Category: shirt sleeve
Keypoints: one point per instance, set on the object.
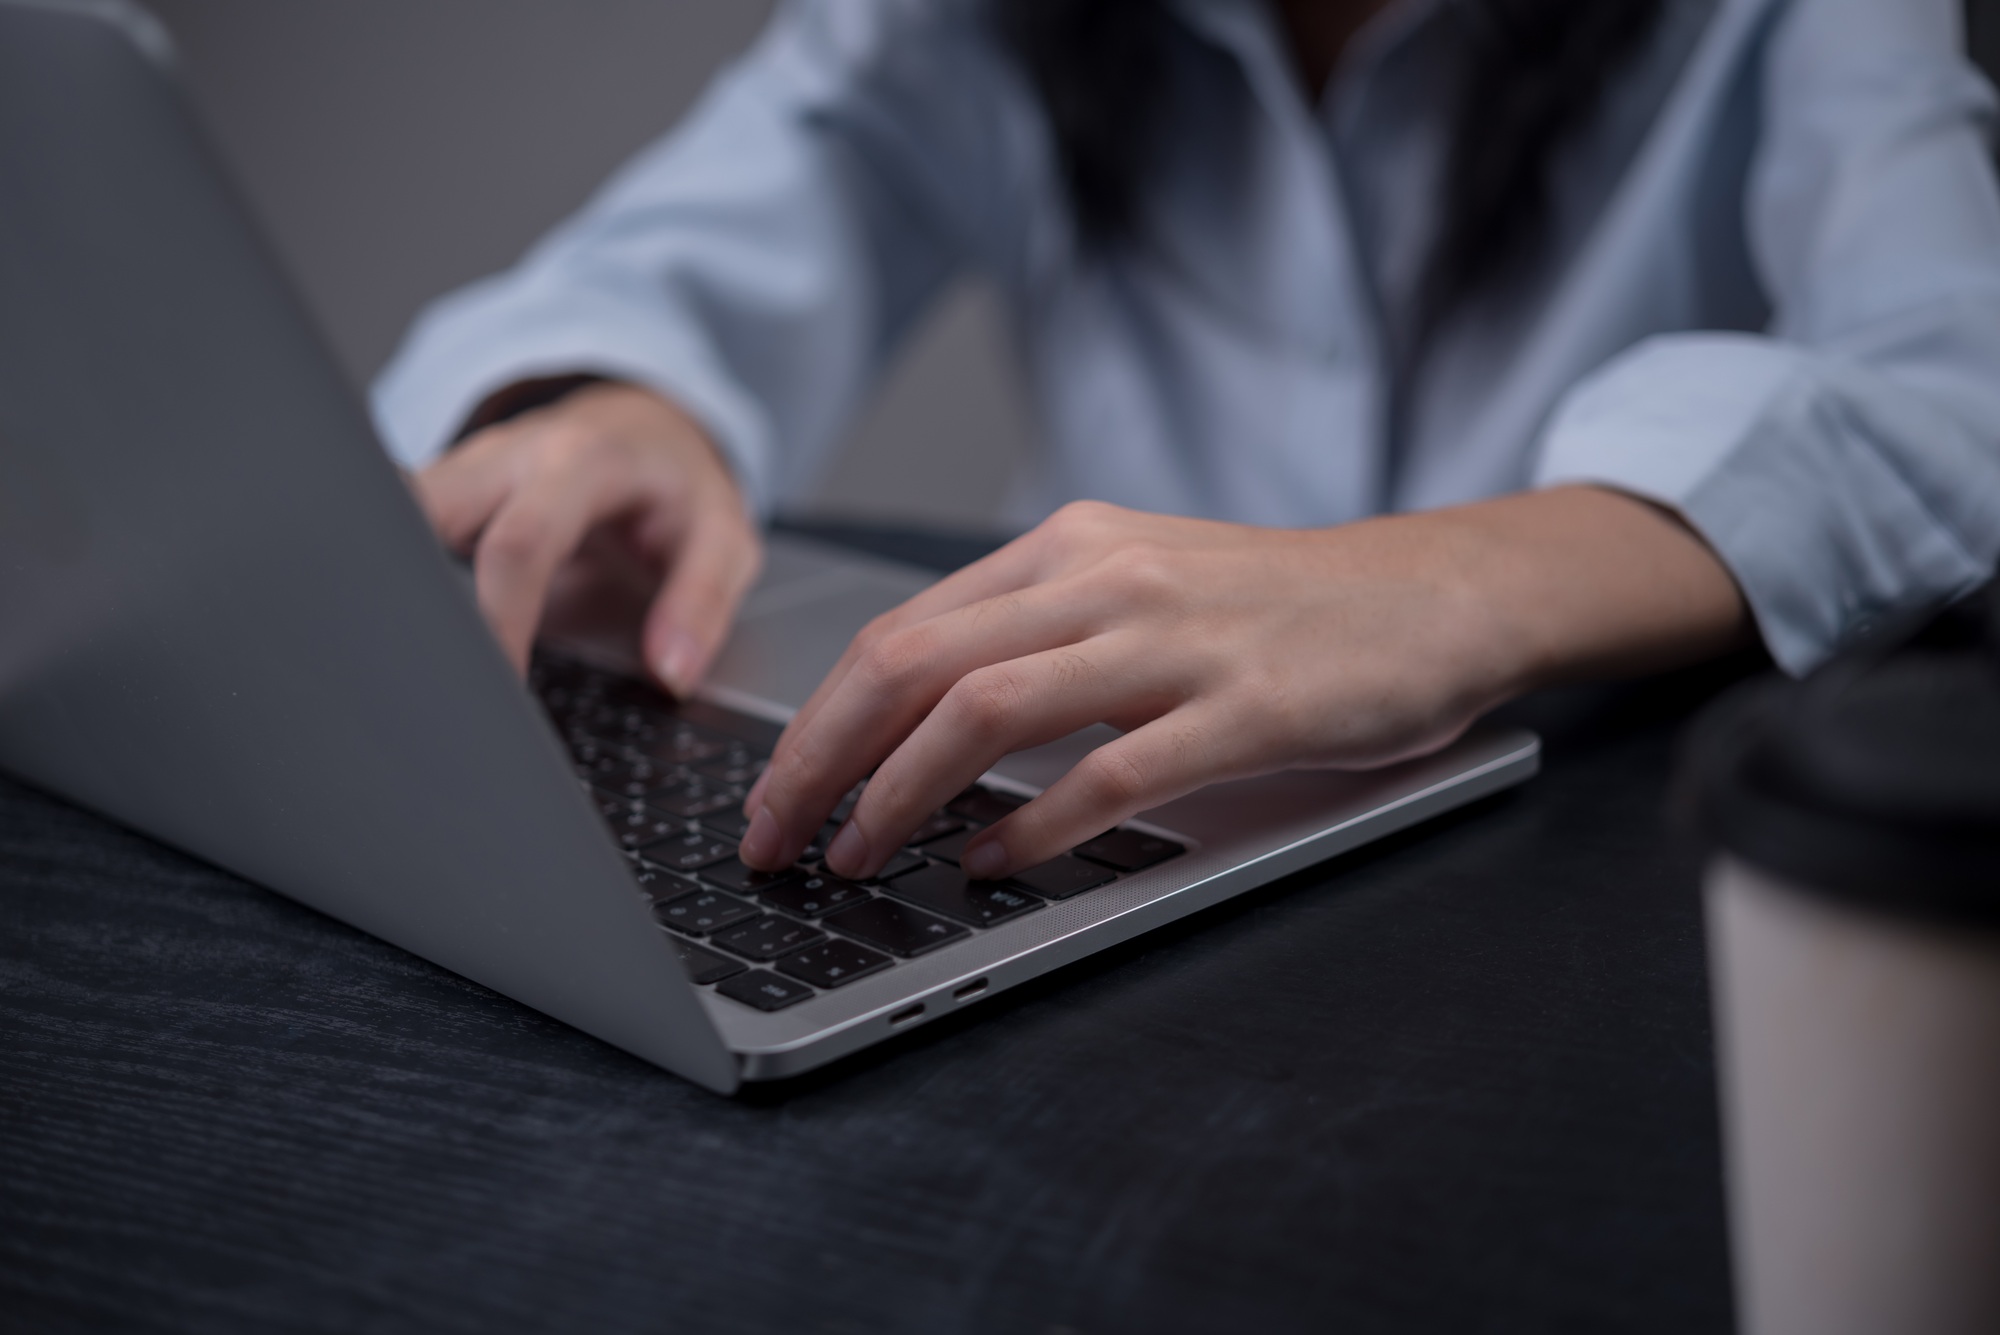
(1844, 464)
(758, 264)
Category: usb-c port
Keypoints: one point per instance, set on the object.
(972, 989)
(905, 1015)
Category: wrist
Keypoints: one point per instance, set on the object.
(1582, 582)
(522, 396)
(1494, 641)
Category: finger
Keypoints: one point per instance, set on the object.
(1172, 756)
(753, 801)
(1013, 567)
(711, 569)
(1060, 544)
(537, 528)
(460, 492)
(989, 713)
(891, 686)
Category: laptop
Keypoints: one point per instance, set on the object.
(225, 623)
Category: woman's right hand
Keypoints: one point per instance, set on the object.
(610, 485)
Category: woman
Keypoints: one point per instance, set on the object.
(1431, 350)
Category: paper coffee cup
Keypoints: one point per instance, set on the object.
(1854, 945)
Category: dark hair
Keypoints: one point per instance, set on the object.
(1537, 70)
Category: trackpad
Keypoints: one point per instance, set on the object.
(797, 621)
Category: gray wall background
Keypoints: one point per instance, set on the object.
(397, 148)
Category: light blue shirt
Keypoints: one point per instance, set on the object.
(1770, 298)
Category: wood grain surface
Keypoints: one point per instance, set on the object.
(1460, 1081)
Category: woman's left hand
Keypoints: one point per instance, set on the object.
(1220, 651)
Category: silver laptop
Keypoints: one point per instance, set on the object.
(224, 622)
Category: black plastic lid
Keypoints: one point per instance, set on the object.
(1876, 780)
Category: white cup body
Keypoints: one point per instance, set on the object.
(1859, 1059)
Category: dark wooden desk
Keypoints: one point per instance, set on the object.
(1460, 1081)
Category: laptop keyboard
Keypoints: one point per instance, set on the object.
(669, 779)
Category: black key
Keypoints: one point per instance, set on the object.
(638, 826)
(615, 723)
(952, 847)
(694, 799)
(1128, 850)
(816, 850)
(588, 748)
(937, 827)
(984, 804)
(634, 777)
(703, 966)
(733, 875)
(764, 990)
(659, 882)
(833, 963)
(764, 939)
(689, 851)
(898, 864)
(596, 764)
(894, 927)
(614, 772)
(845, 807)
(624, 790)
(632, 693)
(734, 768)
(642, 768)
(684, 744)
(949, 891)
(554, 688)
(730, 822)
(813, 896)
(1059, 878)
(702, 912)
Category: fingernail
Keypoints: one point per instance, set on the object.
(680, 665)
(760, 841)
(848, 850)
(984, 862)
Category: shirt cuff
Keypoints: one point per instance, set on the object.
(1787, 464)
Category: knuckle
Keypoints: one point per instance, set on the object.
(897, 661)
(1080, 514)
(565, 458)
(550, 448)
(888, 795)
(878, 629)
(1115, 779)
(1078, 526)
(796, 773)
(1143, 571)
(987, 702)
(1192, 744)
(516, 539)
(569, 440)
(1074, 670)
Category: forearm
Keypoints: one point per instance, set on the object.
(1222, 651)
(1578, 582)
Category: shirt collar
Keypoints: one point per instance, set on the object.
(1249, 31)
